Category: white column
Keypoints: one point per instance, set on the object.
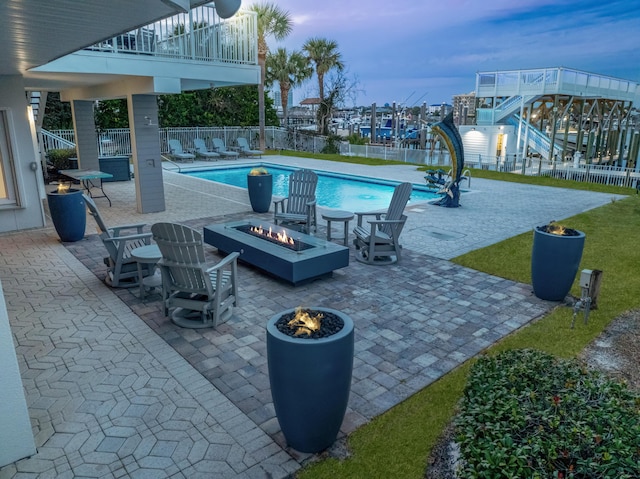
(145, 149)
(84, 126)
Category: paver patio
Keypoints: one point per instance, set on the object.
(114, 389)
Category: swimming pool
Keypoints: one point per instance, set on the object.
(345, 192)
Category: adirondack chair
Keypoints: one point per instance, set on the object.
(245, 149)
(201, 150)
(221, 149)
(299, 207)
(119, 242)
(196, 295)
(378, 243)
(177, 153)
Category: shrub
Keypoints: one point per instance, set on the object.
(356, 139)
(59, 158)
(331, 147)
(527, 414)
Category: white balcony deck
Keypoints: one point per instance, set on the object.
(188, 51)
(553, 81)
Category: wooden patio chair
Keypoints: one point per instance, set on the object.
(299, 207)
(196, 295)
(203, 151)
(177, 153)
(120, 241)
(379, 242)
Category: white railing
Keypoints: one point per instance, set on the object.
(55, 141)
(116, 142)
(198, 35)
(553, 81)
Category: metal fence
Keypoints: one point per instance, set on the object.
(117, 142)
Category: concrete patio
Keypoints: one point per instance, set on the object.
(115, 389)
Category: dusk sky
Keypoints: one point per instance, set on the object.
(411, 51)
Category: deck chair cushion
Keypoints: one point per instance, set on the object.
(221, 148)
(175, 147)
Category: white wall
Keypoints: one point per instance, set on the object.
(482, 141)
(30, 183)
(16, 438)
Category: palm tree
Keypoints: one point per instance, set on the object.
(325, 55)
(289, 70)
(272, 20)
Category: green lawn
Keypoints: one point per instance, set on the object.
(397, 443)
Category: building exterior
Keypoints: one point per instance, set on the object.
(91, 51)
(554, 113)
(464, 109)
(441, 109)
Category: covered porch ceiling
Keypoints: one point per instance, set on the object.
(33, 32)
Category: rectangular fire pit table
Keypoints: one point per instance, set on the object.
(314, 257)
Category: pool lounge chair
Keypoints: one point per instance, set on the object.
(379, 243)
(177, 153)
(246, 150)
(201, 150)
(299, 208)
(221, 149)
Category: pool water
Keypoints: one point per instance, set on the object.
(344, 192)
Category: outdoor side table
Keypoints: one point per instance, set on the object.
(87, 178)
(147, 255)
(338, 215)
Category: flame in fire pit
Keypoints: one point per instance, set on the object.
(305, 322)
(281, 236)
(556, 229)
(62, 188)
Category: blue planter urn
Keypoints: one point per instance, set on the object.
(310, 382)
(260, 190)
(555, 260)
(68, 213)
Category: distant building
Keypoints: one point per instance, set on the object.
(305, 113)
(441, 109)
(276, 96)
(464, 109)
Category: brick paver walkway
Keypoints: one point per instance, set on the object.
(114, 389)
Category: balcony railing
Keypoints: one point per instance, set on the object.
(199, 35)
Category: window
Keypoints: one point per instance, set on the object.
(8, 190)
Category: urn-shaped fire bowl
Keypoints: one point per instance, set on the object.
(555, 259)
(310, 374)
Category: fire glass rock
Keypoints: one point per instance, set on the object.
(330, 324)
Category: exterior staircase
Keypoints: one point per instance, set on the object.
(37, 101)
(511, 106)
(536, 140)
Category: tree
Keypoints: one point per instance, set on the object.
(339, 90)
(111, 114)
(271, 21)
(229, 106)
(289, 70)
(324, 54)
(57, 114)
